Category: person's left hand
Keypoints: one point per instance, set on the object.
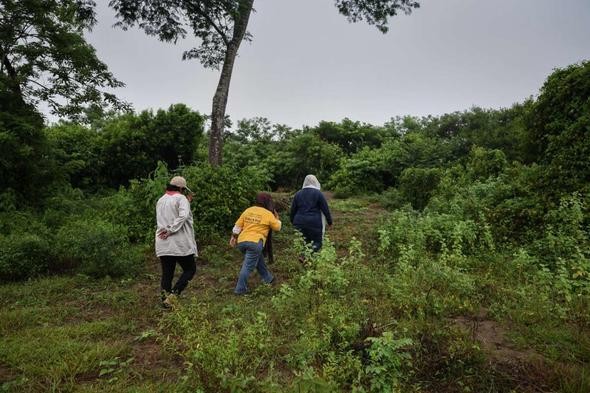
(233, 241)
(163, 235)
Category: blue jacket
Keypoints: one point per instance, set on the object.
(307, 208)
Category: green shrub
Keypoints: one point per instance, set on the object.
(416, 185)
(386, 362)
(24, 255)
(484, 163)
(431, 233)
(565, 237)
(221, 194)
(97, 248)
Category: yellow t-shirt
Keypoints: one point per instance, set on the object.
(255, 222)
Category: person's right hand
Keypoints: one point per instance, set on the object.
(233, 241)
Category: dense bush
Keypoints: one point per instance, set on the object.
(97, 248)
(565, 243)
(416, 185)
(26, 244)
(77, 149)
(375, 170)
(317, 328)
(24, 255)
(221, 194)
(300, 155)
(115, 150)
(559, 128)
(350, 136)
(27, 167)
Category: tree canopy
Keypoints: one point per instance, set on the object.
(46, 59)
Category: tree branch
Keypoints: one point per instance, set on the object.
(15, 86)
(213, 24)
(38, 84)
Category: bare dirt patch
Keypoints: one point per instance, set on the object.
(492, 338)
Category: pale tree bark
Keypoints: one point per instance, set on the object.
(220, 97)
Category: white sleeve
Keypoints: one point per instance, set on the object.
(184, 209)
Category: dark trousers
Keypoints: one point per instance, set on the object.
(312, 236)
(189, 268)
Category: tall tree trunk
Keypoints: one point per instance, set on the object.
(220, 97)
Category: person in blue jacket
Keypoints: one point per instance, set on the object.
(310, 212)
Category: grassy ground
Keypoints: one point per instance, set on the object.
(71, 333)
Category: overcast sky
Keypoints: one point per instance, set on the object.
(307, 63)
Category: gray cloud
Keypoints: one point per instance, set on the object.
(307, 63)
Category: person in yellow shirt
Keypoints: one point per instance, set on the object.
(250, 234)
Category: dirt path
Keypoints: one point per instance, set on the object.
(359, 221)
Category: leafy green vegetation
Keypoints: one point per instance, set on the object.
(459, 260)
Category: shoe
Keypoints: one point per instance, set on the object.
(171, 301)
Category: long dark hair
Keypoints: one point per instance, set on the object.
(170, 187)
(264, 199)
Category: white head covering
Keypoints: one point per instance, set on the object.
(311, 182)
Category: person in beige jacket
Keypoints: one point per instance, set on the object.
(175, 239)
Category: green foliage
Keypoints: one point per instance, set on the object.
(559, 128)
(121, 148)
(24, 255)
(501, 129)
(301, 155)
(221, 194)
(431, 233)
(483, 163)
(366, 171)
(510, 203)
(375, 170)
(350, 135)
(133, 144)
(46, 58)
(225, 355)
(27, 246)
(97, 248)
(27, 170)
(565, 237)
(386, 362)
(77, 150)
(416, 185)
(377, 13)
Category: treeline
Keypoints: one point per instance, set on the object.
(519, 163)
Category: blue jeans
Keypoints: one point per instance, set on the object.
(252, 259)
